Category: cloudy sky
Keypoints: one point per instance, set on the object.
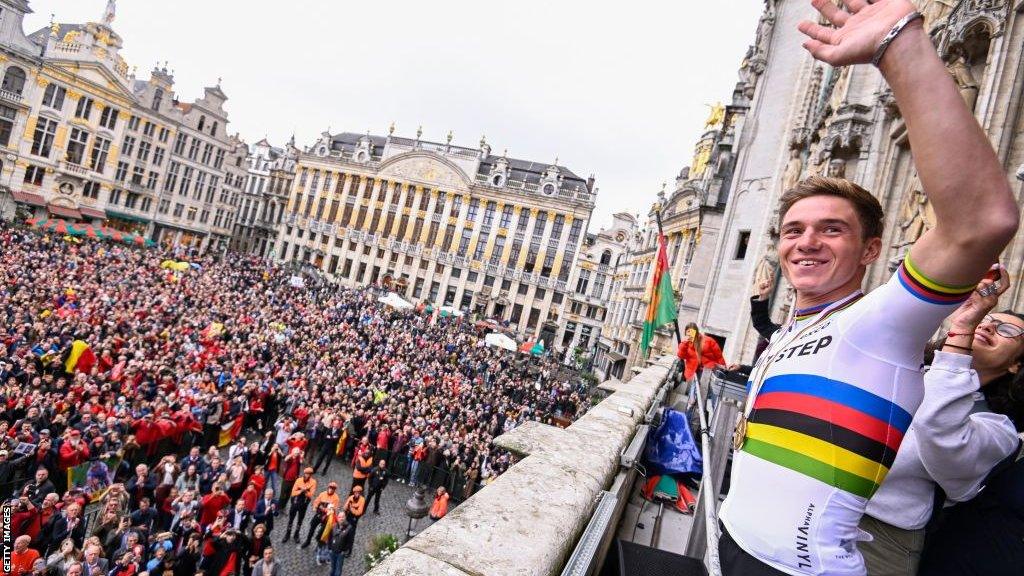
(618, 89)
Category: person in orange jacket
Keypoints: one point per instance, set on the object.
(699, 351)
(440, 506)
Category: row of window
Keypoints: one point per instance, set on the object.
(209, 151)
(221, 218)
(186, 179)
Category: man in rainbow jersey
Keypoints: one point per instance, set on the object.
(832, 397)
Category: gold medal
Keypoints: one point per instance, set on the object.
(739, 436)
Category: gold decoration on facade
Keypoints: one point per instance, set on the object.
(717, 116)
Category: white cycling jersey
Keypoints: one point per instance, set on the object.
(834, 402)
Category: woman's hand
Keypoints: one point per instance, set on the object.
(858, 30)
(971, 313)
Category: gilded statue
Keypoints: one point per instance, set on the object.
(916, 214)
(717, 116)
(960, 69)
(934, 10)
(791, 176)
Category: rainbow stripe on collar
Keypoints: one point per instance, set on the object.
(807, 313)
(929, 290)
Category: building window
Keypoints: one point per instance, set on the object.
(193, 149)
(524, 218)
(741, 245)
(606, 257)
(179, 209)
(148, 129)
(34, 175)
(151, 181)
(582, 282)
(191, 214)
(556, 229)
(77, 144)
(42, 138)
(164, 134)
(179, 143)
(91, 190)
(499, 247)
(172, 176)
(7, 117)
(474, 206)
(464, 241)
(207, 153)
(574, 232)
(158, 98)
(115, 196)
(146, 203)
(158, 156)
(53, 97)
(108, 118)
(138, 174)
(219, 161)
(84, 108)
(122, 171)
(131, 200)
(144, 148)
(506, 216)
(14, 80)
(540, 224)
(133, 123)
(163, 206)
(128, 146)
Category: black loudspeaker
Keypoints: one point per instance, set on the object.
(629, 559)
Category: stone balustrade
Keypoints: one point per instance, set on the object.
(527, 522)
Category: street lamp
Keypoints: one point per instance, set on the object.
(416, 507)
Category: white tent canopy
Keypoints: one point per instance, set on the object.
(499, 340)
(395, 301)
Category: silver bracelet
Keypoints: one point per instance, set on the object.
(896, 29)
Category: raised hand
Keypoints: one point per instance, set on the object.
(858, 30)
(971, 313)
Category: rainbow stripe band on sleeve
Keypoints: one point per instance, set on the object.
(929, 290)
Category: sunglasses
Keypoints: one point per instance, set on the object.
(1004, 329)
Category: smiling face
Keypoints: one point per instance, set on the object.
(822, 249)
(996, 354)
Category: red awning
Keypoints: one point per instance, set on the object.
(92, 212)
(64, 212)
(29, 198)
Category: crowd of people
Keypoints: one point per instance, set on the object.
(191, 408)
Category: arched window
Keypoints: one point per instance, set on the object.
(202, 122)
(213, 130)
(14, 80)
(158, 97)
(606, 257)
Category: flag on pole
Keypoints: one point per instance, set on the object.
(661, 304)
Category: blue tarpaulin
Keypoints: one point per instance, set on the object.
(671, 448)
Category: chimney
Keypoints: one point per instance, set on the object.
(590, 183)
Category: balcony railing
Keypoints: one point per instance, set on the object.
(73, 168)
(12, 96)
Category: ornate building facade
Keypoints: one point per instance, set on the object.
(86, 140)
(440, 223)
(594, 284)
(261, 206)
(808, 118)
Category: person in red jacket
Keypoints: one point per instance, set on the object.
(73, 451)
(699, 351)
(212, 504)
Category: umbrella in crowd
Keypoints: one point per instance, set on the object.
(395, 301)
(60, 226)
(499, 340)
